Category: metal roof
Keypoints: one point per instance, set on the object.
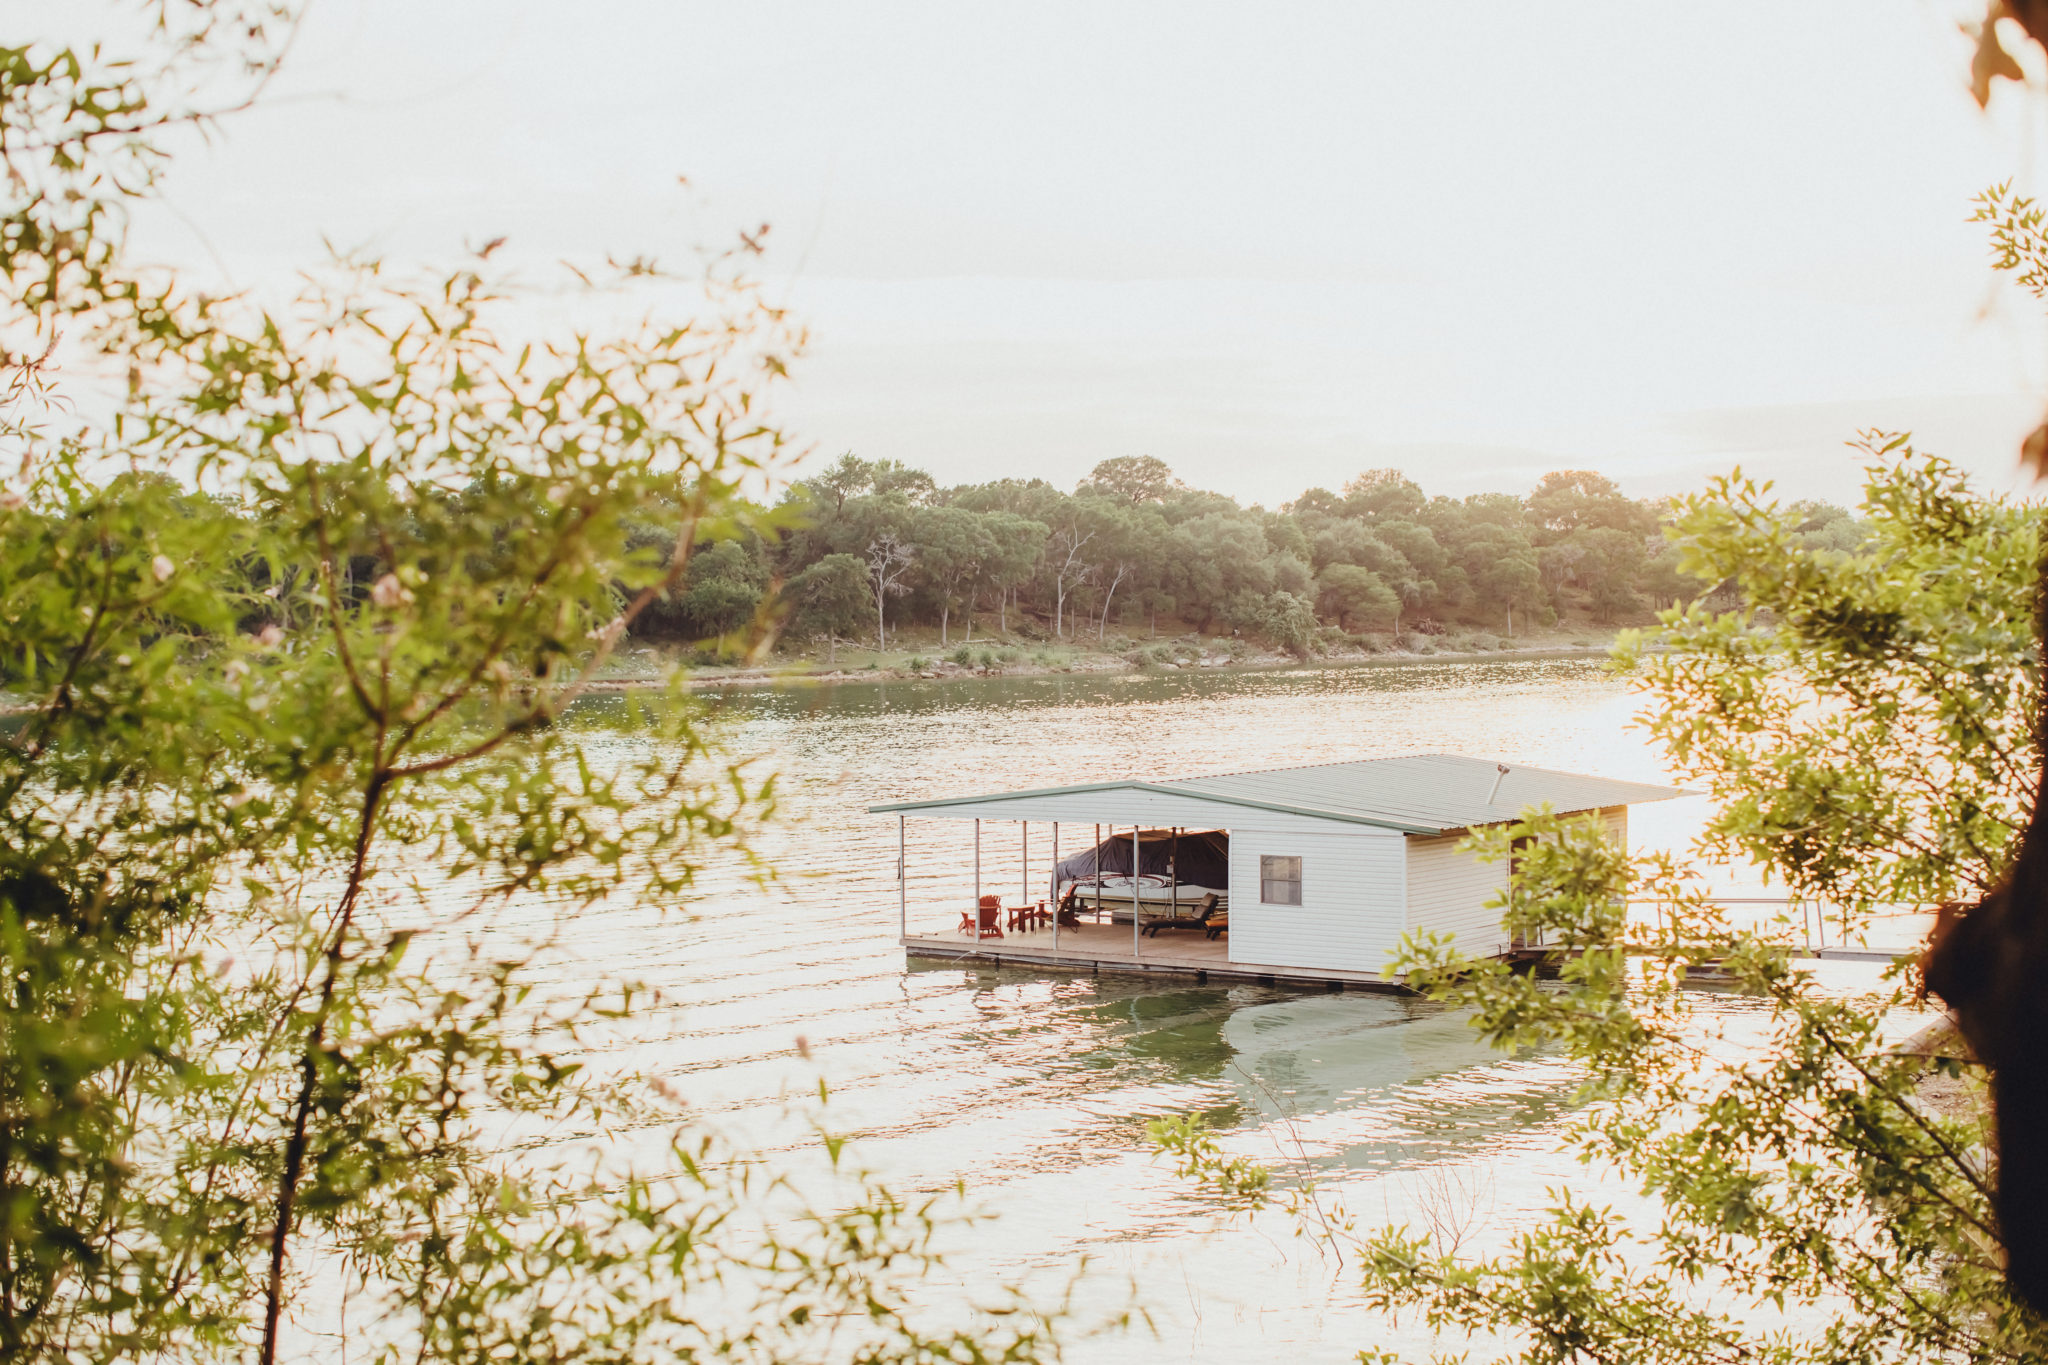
(1417, 794)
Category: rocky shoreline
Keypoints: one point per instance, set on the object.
(803, 673)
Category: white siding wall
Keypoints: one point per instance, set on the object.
(1350, 915)
(1448, 892)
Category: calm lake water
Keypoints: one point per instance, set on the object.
(1035, 1087)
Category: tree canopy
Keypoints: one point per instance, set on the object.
(297, 806)
(1133, 539)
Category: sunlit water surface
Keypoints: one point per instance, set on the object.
(1035, 1087)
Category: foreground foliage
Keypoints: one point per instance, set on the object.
(294, 807)
(1865, 731)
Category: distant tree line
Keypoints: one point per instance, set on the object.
(868, 546)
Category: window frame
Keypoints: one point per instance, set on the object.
(1297, 881)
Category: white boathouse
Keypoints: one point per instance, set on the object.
(1322, 868)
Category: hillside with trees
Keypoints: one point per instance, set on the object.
(865, 549)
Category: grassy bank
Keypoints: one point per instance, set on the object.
(912, 656)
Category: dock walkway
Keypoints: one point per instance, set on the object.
(1108, 948)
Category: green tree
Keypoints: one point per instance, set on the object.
(1286, 536)
(1315, 502)
(1383, 495)
(1289, 622)
(1034, 498)
(1494, 509)
(724, 589)
(1347, 593)
(1019, 547)
(1865, 727)
(953, 547)
(1610, 570)
(1351, 542)
(847, 477)
(1826, 526)
(1425, 558)
(1290, 574)
(1665, 583)
(1570, 500)
(296, 809)
(1510, 581)
(1127, 540)
(829, 598)
(1557, 563)
(1494, 552)
(1216, 560)
(895, 477)
(1132, 479)
(853, 477)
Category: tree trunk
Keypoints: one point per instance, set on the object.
(1102, 629)
(945, 618)
(881, 628)
(1003, 610)
(970, 618)
(1511, 620)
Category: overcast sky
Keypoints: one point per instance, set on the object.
(1269, 244)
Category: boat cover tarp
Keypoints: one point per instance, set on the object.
(1198, 859)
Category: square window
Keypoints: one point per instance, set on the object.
(1279, 881)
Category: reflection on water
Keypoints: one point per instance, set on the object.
(1035, 1087)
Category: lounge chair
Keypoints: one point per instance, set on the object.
(988, 917)
(1201, 921)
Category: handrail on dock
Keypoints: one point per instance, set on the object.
(1816, 928)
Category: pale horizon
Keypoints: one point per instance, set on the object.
(1269, 252)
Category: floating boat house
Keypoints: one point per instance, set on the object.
(1309, 874)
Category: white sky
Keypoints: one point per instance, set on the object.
(1271, 245)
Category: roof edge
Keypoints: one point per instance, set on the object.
(1162, 789)
(1127, 784)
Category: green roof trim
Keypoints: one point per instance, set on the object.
(904, 807)
(1413, 794)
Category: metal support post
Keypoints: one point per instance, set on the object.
(1053, 884)
(1052, 878)
(1098, 873)
(1137, 886)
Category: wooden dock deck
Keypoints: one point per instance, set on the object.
(1108, 948)
(1099, 948)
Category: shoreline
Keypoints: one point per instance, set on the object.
(805, 674)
